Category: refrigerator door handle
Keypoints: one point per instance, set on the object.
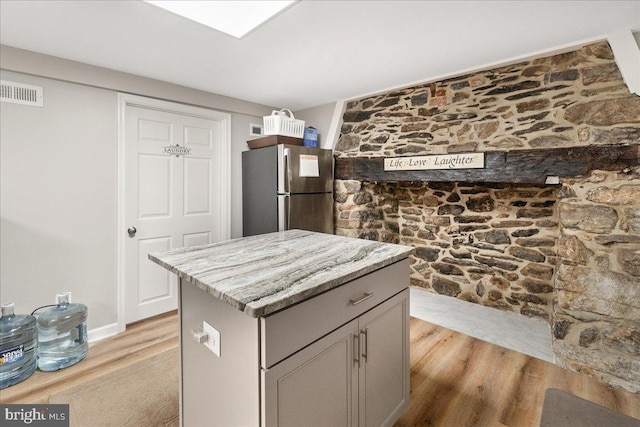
(287, 170)
(284, 214)
(287, 207)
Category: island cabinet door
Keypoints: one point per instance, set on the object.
(384, 362)
(358, 375)
(316, 386)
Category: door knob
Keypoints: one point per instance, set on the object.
(132, 231)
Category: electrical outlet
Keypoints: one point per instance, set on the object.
(213, 338)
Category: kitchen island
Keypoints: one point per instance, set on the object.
(293, 328)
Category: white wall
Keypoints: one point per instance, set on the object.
(58, 198)
(626, 52)
(58, 187)
(320, 118)
(240, 135)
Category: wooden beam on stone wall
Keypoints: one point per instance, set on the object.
(518, 166)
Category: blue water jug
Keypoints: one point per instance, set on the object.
(62, 335)
(18, 344)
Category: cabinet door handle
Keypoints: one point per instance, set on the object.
(363, 299)
(365, 344)
(356, 349)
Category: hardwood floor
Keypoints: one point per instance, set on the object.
(127, 380)
(456, 381)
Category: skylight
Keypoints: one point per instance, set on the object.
(236, 18)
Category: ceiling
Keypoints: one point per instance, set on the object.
(316, 51)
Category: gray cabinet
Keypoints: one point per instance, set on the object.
(340, 358)
(384, 362)
(357, 375)
(317, 386)
(217, 391)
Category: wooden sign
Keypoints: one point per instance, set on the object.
(440, 161)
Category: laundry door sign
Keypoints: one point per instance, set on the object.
(176, 150)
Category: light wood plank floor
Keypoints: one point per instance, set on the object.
(456, 381)
(127, 380)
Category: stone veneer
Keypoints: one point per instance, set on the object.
(489, 245)
(573, 99)
(515, 247)
(596, 322)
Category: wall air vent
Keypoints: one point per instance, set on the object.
(19, 93)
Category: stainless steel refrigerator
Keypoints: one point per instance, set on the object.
(286, 187)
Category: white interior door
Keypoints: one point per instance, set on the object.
(175, 194)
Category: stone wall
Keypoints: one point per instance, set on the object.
(489, 245)
(596, 322)
(514, 247)
(573, 99)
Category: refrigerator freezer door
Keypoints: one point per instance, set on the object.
(313, 212)
(304, 170)
(259, 202)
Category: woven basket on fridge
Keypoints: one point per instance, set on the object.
(279, 123)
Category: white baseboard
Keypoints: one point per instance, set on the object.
(102, 332)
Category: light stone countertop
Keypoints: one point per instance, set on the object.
(262, 274)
